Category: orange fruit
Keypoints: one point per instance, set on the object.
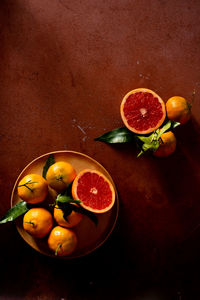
(142, 111)
(33, 188)
(73, 218)
(62, 241)
(178, 109)
(38, 222)
(94, 190)
(167, 145)
(59, 175)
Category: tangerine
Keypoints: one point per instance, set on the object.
(33, 188)
(38, 222)
(178, 109)
(59, 175)
(167, 145)
(73, 218)
(62, 241)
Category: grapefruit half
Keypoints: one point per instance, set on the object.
(94, 190)
(142, 111)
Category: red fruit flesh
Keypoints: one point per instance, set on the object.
(94, 191)
(142, 111)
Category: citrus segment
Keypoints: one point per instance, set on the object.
(94, 190)
(142, 111)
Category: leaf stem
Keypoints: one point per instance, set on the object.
(60, 178)
(57, 249)
(32, 223)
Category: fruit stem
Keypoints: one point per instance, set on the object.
(32, 223)
(26, 185)
(58, 247)
(60, 178)
(161, 141)
(153, 137)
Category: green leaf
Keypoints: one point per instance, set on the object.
(166, 127)
(151, 142)
(145, 143)
(66, 199)
(88, 213)
(68, 191)
(67, 208)
(170, 125)
(50, 161)
(174, 124)
(146, 139)
(119, 135)
(16, 211)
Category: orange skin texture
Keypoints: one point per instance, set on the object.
(33, 188)
(62, 240)
(178, 109)
(75, 196)
(124, 118)
(38, 222)
(72, 220)
(168, 145)
(59, 175)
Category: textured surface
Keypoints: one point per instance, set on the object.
(64, 69)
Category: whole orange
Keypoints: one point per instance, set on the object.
(73, 218)
(178, 109)
(38, 222)
(33, 188)
(167, 145)
(59, 175)
(62, 241)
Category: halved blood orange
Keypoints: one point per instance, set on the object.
(94, 190)
(142, 111)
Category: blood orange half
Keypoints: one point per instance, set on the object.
(94, 190)
(142, 111)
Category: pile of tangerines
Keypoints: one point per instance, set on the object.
(143, 111)
(90, 189)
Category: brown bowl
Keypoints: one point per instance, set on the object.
(89, 235)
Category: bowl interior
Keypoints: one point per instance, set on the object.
(89, 235)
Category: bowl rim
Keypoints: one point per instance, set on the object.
(116, 204)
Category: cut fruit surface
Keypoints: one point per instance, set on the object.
(94, 190)
(142, 111)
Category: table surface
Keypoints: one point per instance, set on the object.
(65, 67)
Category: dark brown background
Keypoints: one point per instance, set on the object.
(64, 68)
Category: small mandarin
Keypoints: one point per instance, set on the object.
(33, 188)
(59, 175)
(73, 219)
(62, 241)
(38, 222)
(178, 109)
(167, 146)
